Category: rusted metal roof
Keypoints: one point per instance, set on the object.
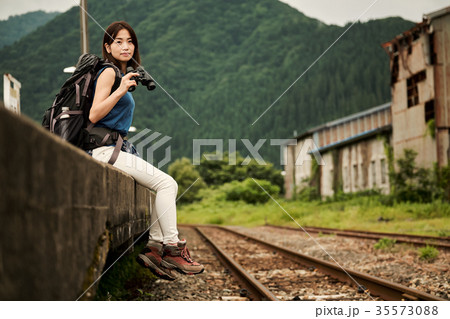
(345, 119)
(408, 34)
(418, 28)
(436, 14)
(354, 138)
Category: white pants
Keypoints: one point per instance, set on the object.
(163, 220)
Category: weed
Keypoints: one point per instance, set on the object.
(428, 253)
(143, 295)
(385, 244)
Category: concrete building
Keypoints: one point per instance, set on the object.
(354, 148)
(420, 84)
(353, 153)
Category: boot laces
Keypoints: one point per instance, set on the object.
(186, 255)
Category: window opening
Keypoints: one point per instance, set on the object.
(412, 90)
(383, 170)
(429, 110)
(374, 174)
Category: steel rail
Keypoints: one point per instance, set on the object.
(439, 242)
(376, 286)
(257, 290)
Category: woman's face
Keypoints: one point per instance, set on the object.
(122, 49)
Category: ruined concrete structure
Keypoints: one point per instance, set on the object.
(354, 148)
(353, 153)
(420, 79)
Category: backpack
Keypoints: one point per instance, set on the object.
(68, 117)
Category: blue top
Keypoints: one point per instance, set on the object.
(121, 115)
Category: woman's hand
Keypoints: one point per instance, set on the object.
(126, 83)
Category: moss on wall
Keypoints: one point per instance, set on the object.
(126, 279)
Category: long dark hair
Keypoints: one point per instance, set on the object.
(110, 36)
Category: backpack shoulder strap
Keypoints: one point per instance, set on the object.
(100, 71)
(106, 64)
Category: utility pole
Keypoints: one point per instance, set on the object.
(84, 27)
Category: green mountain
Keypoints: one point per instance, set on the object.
(17, 26)
(224, 62)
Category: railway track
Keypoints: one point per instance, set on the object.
(271, 272)
(417, 240)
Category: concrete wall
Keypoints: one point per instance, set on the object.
(364, 166)
(61, 212)
(298, 166)
(303, 163)
(327, 175)
(357, 166)
(353, 141)
(409, 128)
(441, 27)
(360, 166)
(289, 171)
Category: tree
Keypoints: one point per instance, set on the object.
(188, 179)
(220, 171)
(250, 191)
(412, 183)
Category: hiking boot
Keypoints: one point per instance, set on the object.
(150, 257)
(177, 257)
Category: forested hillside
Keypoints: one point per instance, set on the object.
(17, 26)
(225, 62)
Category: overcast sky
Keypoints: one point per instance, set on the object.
(329, 11)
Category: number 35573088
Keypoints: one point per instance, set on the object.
(407, 310)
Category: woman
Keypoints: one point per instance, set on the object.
(114, 110)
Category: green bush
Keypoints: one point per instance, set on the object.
(414, 184)
(185, 174)
(249, 191)
(220, 171)
(443, 181)
(308, 193)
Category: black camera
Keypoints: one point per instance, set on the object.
(143, 77)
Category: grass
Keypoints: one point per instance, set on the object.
(385, 244)
(428, 253)
(362, 213)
